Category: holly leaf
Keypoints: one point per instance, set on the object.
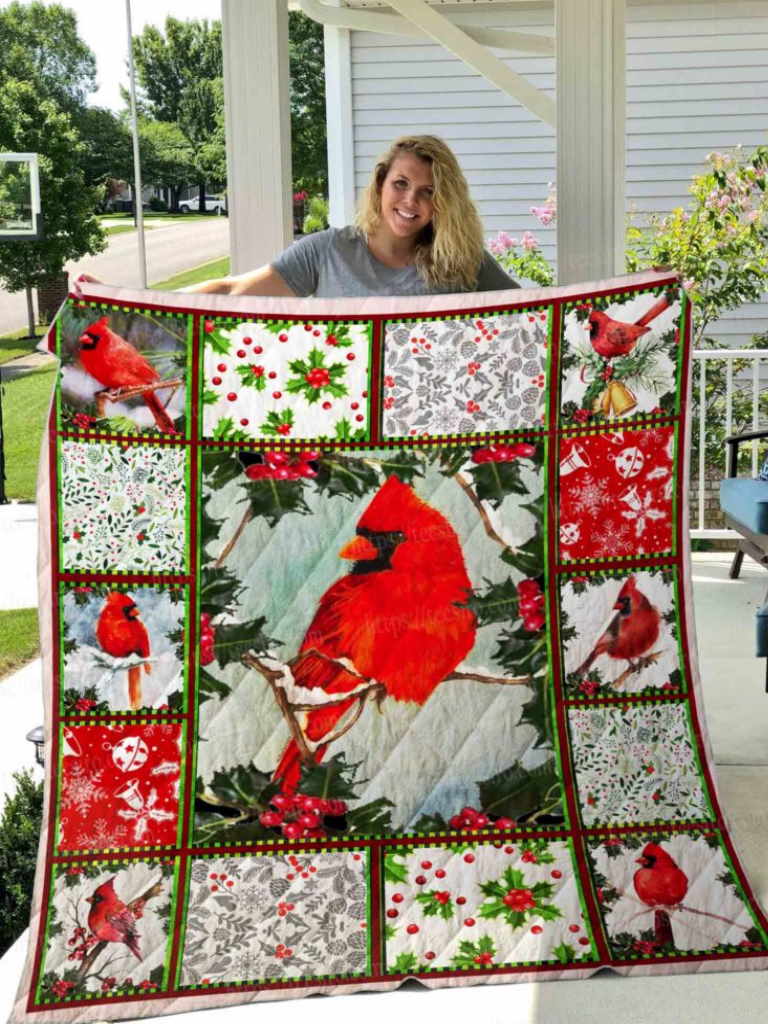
(430, 823)
(332, 778)
(346, 476)
(493, 481)
(371, 818)
(564, 953)
(535, 712)
(208, 686)
(451, 460)
(404, 963)
(344, 431)
(431, 906)
(218, 590)
(405, 466)
(496, 603)
(395, 870)
(233, 640)
(118, 425)
(216, 340)
(250, 377)
(273, 499)
(209, 396)
(242, 787)
(225, 430)
(219, 468)
(517, 792)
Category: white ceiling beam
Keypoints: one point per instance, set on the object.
(338, 118)
(455, 40)
(387, 23)
(258, 130)
(591, 104)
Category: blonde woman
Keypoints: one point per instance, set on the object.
(417, 232)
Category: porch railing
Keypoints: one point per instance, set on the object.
(748, 378)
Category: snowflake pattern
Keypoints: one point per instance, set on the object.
(465, 375)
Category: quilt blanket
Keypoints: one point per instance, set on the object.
(369, 651)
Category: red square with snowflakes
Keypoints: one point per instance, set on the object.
(119, 785)
(616, 493)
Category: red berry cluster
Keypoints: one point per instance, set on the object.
(207, 639)
(319, 377)
(300, 816)
(279, 465)
(582, 415)
(84, 704)
(83, 420)
(531, 605)
(61, 988)
(82, 943)
(589, 687)
(504, 452)
(472, 820)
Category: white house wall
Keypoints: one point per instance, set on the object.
(697, 80)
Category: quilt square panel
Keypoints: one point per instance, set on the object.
(474, 907)
(123, 508)
(616, 493)
(410, 579)
(123, 371)
(120, 785)
(621, 357)
(108, 930)
(283, 379)
(672, 893)
(465, 375)
(312, 911)
(619, 632)
(636, 763)
(122, 647)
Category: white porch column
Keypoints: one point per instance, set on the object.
(590, 47)
(258, 128)
(338, 107)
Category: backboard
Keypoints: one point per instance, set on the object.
(19, 197)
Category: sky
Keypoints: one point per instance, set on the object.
(102, 26)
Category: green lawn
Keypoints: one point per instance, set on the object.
(18, 638)
(16, 344)
(25, 406)
(216, 268)
(150, 215)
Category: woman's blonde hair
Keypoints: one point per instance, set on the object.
(449, 250)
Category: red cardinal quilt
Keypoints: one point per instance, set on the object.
(369, 653)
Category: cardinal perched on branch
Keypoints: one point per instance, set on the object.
(116, 364)
(111, 920)
(632, 631)
(121, 634)
(396, 616)
(660, 884)
(612, 338)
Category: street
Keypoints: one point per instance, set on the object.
(170, 250)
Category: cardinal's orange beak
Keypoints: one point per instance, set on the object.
(359, 550)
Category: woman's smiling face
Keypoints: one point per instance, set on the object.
(407, 196)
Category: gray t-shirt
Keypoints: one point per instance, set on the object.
(337, 263)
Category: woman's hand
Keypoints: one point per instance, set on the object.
(83, 277)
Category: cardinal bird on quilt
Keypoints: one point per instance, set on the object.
(121, 634)
(397, 615)
(632, 631)
(116, 364)
(110, 920)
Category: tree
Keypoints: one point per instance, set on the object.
(178, 72)
(308, 132)
(39, 44)
(107, 146)
(166, 157)
(31, 124)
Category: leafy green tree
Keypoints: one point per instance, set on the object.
(20, 825)
(178, 70)
(107, 146)
(39, 44)
(308, 134)
(167, 157)
(31, 124)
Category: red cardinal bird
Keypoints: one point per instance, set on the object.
(110, 920)
(659, 882)
(120, 633)
(396, 615)
(115, 363)
(611, 338)
(632, 631)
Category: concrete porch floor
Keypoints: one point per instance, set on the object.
(736, 717)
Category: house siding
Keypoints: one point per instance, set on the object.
(697, 80)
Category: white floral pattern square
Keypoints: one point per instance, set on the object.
(286, 379)
(636, 764)
(465, 376)
(123, 508)
(275, 917)
(477, 906)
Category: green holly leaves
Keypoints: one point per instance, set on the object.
(314, 379)
(516, 900)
